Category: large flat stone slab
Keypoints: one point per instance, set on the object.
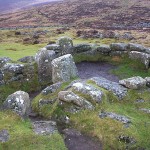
(114, 87)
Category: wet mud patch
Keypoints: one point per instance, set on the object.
(95, 69)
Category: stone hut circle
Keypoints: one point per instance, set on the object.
(54, 70)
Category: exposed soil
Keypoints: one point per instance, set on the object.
(95, 69)
(76, 141)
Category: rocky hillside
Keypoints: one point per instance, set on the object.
(112, 14)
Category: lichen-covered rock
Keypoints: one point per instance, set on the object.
(115, 116)
(70, 97)
(4, 136)
(13, 68)
(145, 110)
(4, 60)
(118, 46)
(43, 102)
(45, 127)
(1, 78)
(65, 44)
(103, 49)
(143, 57)
(136, 47)
(52, 88)
(18, 102)
(27, 59)
(134, 82)
(54, 47)
(118, 53)
(114, 87)
(63, 69)
(11, 72)
(81, 48)
(44, 58)
(86, 89)
(147, 81)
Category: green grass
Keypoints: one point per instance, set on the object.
(22, 137)
(18, 50)
(108, 130)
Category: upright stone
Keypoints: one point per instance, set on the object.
(63, 69)
(43, 59)
(65, 44)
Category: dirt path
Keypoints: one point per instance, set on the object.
(94, 69)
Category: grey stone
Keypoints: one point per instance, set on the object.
(118, 53)
(118, 46)
(114, 87)
(18, 102)
(70, 97)
(64, 69)
(143, 57)
(147, 81)
(54, 47)
(4, 60)
(44, 58)
(145, 110)
(27, 59)
(81, 48)
(103, 49)
(126, 139)
(95, 94)
(43, 102)
(65, 44)
(140, 101)
(115, 116)
(44, 127)
(13, 68)
(147, 50)
(52, 88)
(136, 47)
(134, 82)
(4, 136)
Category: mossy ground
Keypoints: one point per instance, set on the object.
(22, 136)
(108, 130)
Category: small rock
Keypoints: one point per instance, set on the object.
(127, 139)
(114, 116)
(118, 46)
(143, 57)
(27, 59)
(44, 127)
(136, 47)
(103, 49)
(4, 60)
(81, 48)
(4, 136)
(52, 88)
(70, 97)
(134, 82)
(145, 110)
(65, 44)
(147, 81)
(18, 102)
(139, 101)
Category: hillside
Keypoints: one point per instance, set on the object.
(111, 14)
